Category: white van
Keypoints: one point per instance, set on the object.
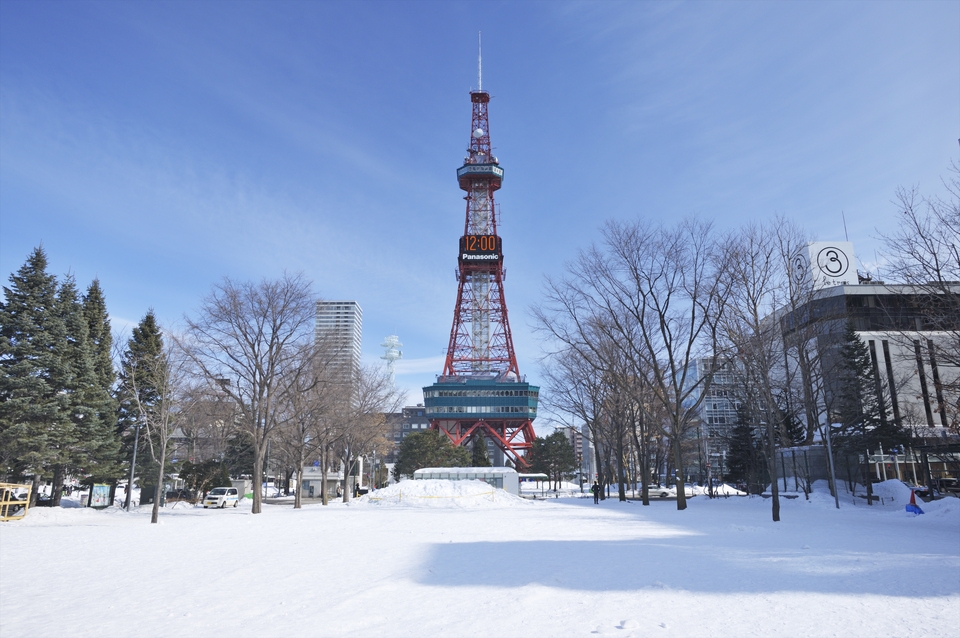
(221, 497)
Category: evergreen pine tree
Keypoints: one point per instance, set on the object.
(793, 431)
(239, 455)
(92, 442)
(554, 456)
(76, 383)
(862, 415)
(744, 460)
(137, 368)
(478, 455)
(107, 462)
(101, 346)
(33, 406)
(427, 448)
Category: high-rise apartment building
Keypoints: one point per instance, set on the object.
(340, 328)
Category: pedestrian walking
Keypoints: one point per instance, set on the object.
(596, 492)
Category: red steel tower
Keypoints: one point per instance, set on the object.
(481, 387)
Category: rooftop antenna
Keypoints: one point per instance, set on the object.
(479, 62)
(844, 218)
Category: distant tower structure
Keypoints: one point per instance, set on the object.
(393, 353)
(339, 328)
(481, 387)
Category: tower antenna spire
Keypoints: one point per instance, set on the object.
(479, 62)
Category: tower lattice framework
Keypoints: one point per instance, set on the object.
(480, 339)
(480, 388)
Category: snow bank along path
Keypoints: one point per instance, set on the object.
(437, 493)
(561, 567)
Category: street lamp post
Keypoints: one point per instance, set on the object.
(580, 470)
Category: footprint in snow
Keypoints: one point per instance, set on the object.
(624, 625)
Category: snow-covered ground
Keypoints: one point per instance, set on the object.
(487, 565)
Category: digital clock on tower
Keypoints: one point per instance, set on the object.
(480, 249)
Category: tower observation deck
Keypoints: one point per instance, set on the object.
(480, 389)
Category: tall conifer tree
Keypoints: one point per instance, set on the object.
(144, 350)
(33, 407)
(478, 455)
(107, 460)
(101, 346)
(91, 441)
(863, 415)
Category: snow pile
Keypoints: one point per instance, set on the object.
(896, 493)
(945, 508)
(441, 493)
(542, 489)
(722, 489)
(892, 490)
(68, 514)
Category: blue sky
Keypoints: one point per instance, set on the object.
(161, 146)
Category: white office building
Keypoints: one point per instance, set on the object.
(340, 328)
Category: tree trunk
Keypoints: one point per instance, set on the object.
(809, 402)
(644, 473)
(346, 476)
(621, 488)
(297, 493)
(678, 459)
(599, 467)
(772, 467)
(257, 479)
(158, 490)
(56, 490)
(133, 469)
(324, 498)
(35, 492)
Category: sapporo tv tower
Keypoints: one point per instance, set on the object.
(480, 388)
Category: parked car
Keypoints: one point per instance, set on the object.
(669, 492)
(947, 485)
(221, 497)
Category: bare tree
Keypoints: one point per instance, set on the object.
(247, 338)
(576, 391)
(925, 253)
(759, 285)
(206, 424)
(658, 293)
(664, 290)
(582, 370)
(166, 376)
(360, 416)
(306, 427)
(925, 248)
